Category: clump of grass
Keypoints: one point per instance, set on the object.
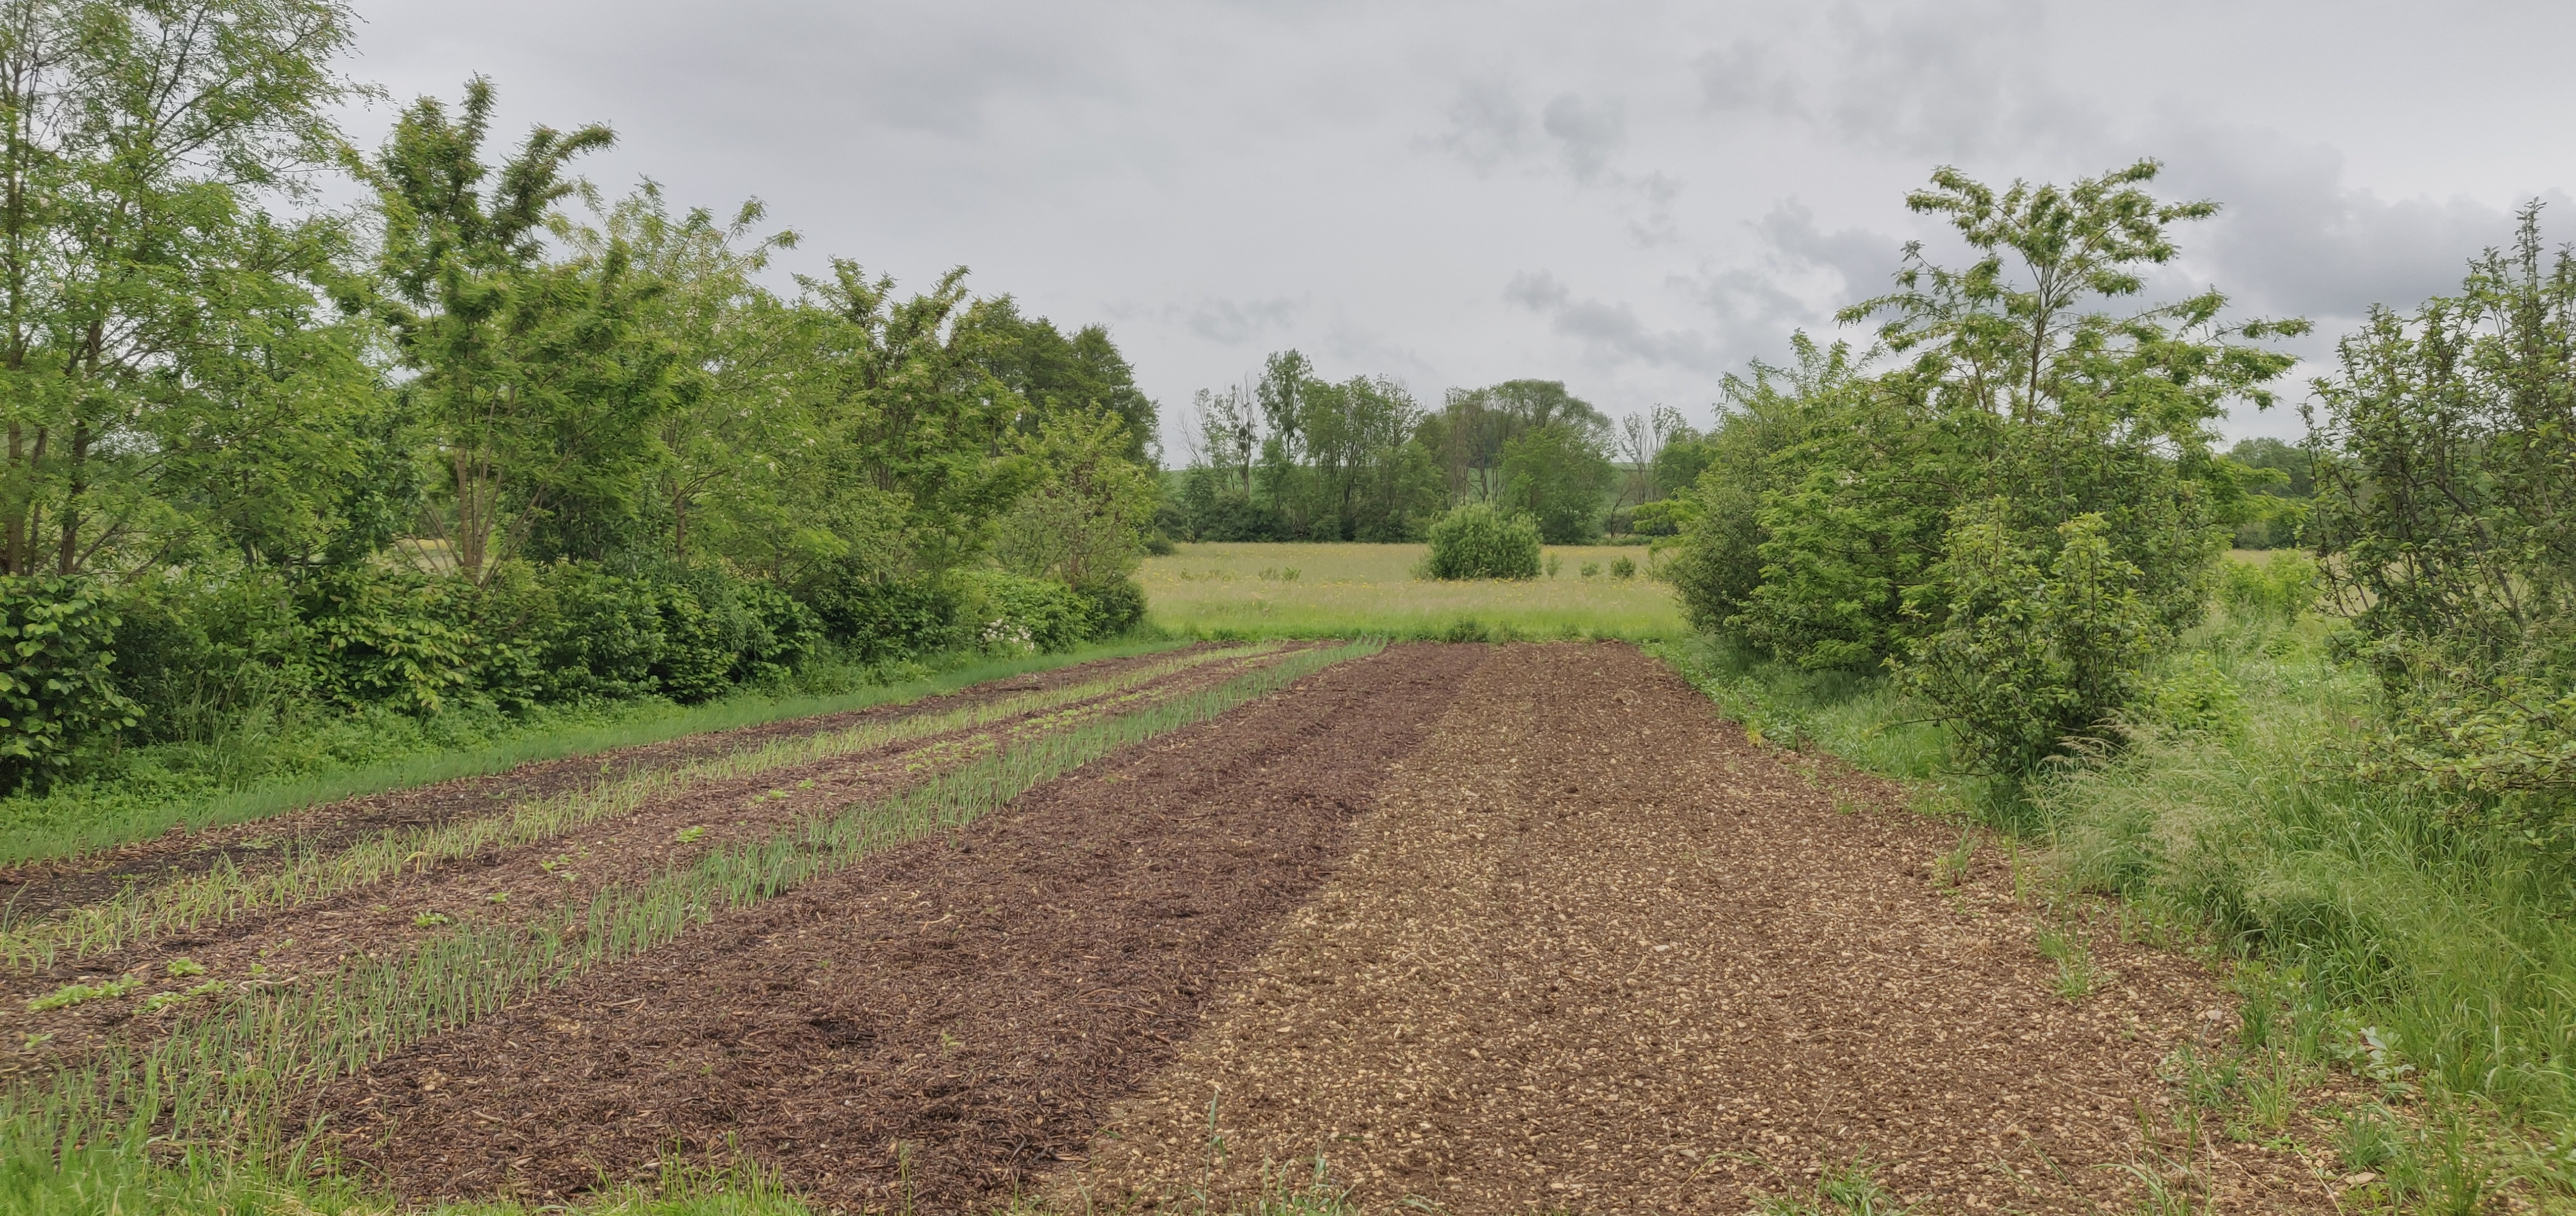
(1849, 1188)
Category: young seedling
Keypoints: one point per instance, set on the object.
(184, 967)
(431, 920)
(76, 994)
(690, 834)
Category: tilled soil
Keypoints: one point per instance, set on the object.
(37, 887)
(1595, 951)
(523, 884)
(934, 1025)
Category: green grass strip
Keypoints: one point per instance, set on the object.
(20, 845)
(224, 893)
(227, 1081)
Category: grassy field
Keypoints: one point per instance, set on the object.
(1325, 590)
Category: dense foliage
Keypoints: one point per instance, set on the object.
(1290, 456)
(2019, 500)
(2447, 510)
(1483, 540)
(493, 438)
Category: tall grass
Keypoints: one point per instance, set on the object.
(223, 1083)
(86, 818)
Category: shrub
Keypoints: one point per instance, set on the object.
(196, 652)
(1015, 613)
(2029, 660)
(1478, 540)
(879, 619)
(1623, 566)
(1117, 607)
(1664, 516)
(56, 691)
(389, 636)
(2283, 588)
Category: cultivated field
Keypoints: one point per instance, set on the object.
(1485, 928)
(1318, 590)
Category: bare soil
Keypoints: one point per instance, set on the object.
(932, 1027)
(38, 887)
(1597, 952)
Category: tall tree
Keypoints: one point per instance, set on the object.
(154, 324)
(517, 359)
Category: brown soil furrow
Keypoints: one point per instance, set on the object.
(967, 1006)
(1598, 952)
(539, 881)
(38, 887)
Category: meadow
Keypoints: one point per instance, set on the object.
(1347, 590)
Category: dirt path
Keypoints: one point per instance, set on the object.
(38, 887)
(1595, 952)
(931, 1026)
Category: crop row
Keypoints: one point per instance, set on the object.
(226, 892)
(230, 1076)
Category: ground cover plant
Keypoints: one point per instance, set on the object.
(1327, 590)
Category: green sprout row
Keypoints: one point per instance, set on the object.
(226, 892)
(232, 1078)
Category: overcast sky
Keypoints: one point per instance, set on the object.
(1631, 197)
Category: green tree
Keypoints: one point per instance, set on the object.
(2446, 510)
(529, 373)
(1557, 473)
(167, 374)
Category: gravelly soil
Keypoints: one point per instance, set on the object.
(1597, 952)
(979, 999)
(38, 887)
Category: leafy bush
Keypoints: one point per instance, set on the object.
(2282, 589)
(196, 652)
(2027, 660)
(2445, 513)
(1016, 613)
(1623, 566)
(1664, 516)
(570, 631)
(1116, 607)
(1479, 540)
(390, 636)
(57, 640)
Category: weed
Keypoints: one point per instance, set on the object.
(431, 920)
(1850, 1188)
(181, 968)
(2065, 946)
(690, 834)
(1951, 868)
(75, 994)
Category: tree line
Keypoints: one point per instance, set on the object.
(1289, 455)
(492, 435)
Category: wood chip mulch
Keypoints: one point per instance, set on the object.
(929, 1029)
(1596, 952)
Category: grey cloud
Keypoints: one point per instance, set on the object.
(1238, 321)
(1586, 132)
(2293, 237)
(1946, 81)
(1487, 125)
(1611, 333)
